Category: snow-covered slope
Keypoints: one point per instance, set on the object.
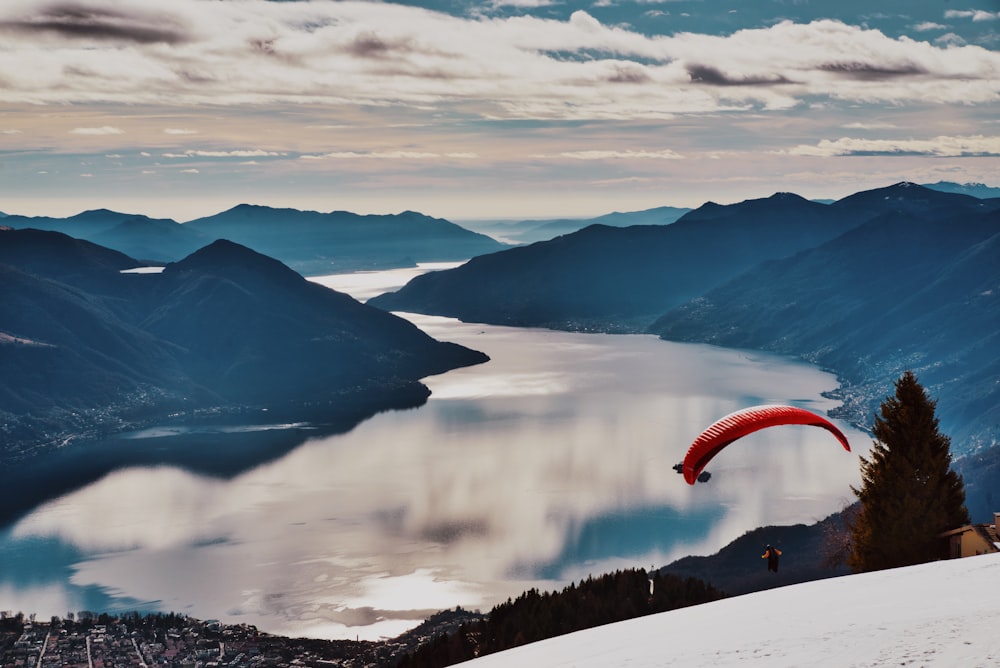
(940, 614)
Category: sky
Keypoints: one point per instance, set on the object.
(499, 109)
(932, 615)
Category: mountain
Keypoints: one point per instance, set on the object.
(81, 225)
(619, 280)
(895, 293)
(980, 190)
(153, 240)
(932, 615)
(307, 241)
(255, 331)
(877, 282)
(739, 569)
(225, 327)
(911, 199)
(530, 231)
(150, 239)
(315, 243)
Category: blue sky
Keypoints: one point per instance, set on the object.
(508, 108)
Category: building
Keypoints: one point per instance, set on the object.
(973, 539)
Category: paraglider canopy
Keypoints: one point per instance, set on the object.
(737, 425)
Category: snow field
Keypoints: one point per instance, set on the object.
(942, 614)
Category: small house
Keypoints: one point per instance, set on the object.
(973, 539)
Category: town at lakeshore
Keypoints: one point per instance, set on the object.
(89, 640)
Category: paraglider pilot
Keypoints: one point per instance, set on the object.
(771, 554)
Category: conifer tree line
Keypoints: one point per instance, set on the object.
(909, 494)
(534, 616)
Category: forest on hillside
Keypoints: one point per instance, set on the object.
(534, 615)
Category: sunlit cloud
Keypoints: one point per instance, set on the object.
(104, 130)
(860, 125)
(950, 147)
(179, 131)
(389, 155)
(665, 154)
(245, 153)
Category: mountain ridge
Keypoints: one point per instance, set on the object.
(226, 326)
(310, 242)
(622, 279)
(873, 321)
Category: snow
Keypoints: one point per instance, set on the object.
(945, 613)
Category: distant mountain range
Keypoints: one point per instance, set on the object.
(85, 348)
(315, 243)
(530, 231)
(979, 190)
(310, 242)
(875, 283)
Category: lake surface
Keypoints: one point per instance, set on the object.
(550, 462)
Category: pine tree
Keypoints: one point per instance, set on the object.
(909, 494)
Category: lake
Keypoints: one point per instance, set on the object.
(550, 462)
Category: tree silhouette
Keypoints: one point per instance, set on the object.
(535, 615)
(909, 494)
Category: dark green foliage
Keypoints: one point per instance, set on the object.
(909, 494)
(535, 616)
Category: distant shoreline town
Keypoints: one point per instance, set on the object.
(93, 640)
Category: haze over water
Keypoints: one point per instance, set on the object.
(550, 462)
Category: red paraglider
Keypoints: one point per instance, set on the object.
(739, 424)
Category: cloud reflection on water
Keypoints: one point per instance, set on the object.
(551, 462)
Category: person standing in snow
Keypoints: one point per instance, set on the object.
(771, 554)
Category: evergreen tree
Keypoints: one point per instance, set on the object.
(909, 494)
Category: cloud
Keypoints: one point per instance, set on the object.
(521, 4)
(104, 130)
(389, 155)
(974, 14)
(707, 74)
(243, 153)
(179, 131)
(360, 55)
(942, 146)
(950, 39)
(664, 154)
(10, 132)
(868, 71)
(93, 20)
(868, 126)
(929, 25)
